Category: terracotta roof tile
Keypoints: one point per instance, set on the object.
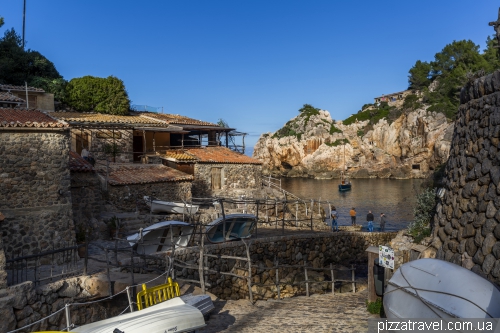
(8, 97)
(77, 163)
(19, 88)
(179, 155)
(88, 117)
(27, 118)
(220, 155)
(127, 174)
(177, 119)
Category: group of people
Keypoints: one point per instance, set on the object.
(369, 218)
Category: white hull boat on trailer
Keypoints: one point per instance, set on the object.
(433, 288)
(158, 237)
(158, 206)
(170, 316)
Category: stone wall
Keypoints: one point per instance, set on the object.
(315, 250)
(128, 197)
(124, 143)
(35, 194)
(23, 304)
(86, 198)
(466, 225)
(238, 176)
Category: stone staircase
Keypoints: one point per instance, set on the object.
(319, 313)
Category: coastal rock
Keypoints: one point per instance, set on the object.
(410, 147)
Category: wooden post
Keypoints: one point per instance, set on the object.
(311, 221)
(372, 255)
(257, 218)
(296, 213)
(283, 219)
(107, 273)
(319, 206)
(353, 283)
(307, 280)
(333, 279)
(275, 215)
(200, 266)
(249, 262)
(277, 278)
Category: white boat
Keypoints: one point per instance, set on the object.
(158, 237)
(158, 206)
(236, 226)
(170, 316)
(432, 288)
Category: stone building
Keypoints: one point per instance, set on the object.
(37, 98)
(129, 183)
(394, 98)
(8, 100)
(216, 169)
(86, 192)
(467, 220)
(35, 193)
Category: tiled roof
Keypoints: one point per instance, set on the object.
(77, 163)
(177, 119)
(8, 97)
(27, 118)
(220, 155)
(179, 155)
(101, 118)
(127, 174)
(19, 88)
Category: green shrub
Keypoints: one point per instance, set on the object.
(361, 133)
(376, 307)
(337, 142)
(334, 129)
(423, 212)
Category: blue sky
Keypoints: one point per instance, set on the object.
(251, 63)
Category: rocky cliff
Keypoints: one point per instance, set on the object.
(314, 145)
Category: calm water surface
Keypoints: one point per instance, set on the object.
(395, 198)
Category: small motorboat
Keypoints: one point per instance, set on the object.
(235, 227)
(158, 206)
(159, 236)
(170, 316)
(433, 288)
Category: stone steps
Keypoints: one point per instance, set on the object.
(318, 313)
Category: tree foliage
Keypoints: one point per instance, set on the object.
(18, 66)
(106, 95)
(448, 73)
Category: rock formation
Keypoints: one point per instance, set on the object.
(312, 146)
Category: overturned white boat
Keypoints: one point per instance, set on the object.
(432, 288)
(160, 237)
(159, 206)
(234, 227)
(170, 316)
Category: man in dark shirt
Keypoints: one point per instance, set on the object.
(382, 221)
(370, 219)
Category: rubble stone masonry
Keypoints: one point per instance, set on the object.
(467, 221)
(35, 194)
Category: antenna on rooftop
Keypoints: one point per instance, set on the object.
(24, 20)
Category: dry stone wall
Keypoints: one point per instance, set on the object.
(35, 194)
(466, 225)
(315, 250)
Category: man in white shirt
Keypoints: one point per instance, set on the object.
(85, 154)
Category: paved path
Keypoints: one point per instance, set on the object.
(319, 313)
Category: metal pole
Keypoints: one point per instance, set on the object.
(277, 278)
(257, 218)
(68, 318)
(307, 280)
(26, 83)
(319, 205)
(333, 279)
(223, 219)
(24, 26)
(283, 219)
(353, 283)
(129, 295)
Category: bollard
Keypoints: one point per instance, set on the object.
(68, 318)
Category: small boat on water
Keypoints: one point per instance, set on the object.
(159, 236)
(170, 316)
(237, 226)
(433, 288)
(158, 206)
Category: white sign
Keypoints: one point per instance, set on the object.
(386, 256)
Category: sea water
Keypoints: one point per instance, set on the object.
(393, 197)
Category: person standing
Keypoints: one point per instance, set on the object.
(85, 154)
(383, 219)
(352, 212)
(334, 217)
(369, 218)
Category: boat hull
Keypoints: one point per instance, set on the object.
(238, 226)
(158, 206)
(344, 187)
(169, 316)
(432, 288)
(160, 236)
